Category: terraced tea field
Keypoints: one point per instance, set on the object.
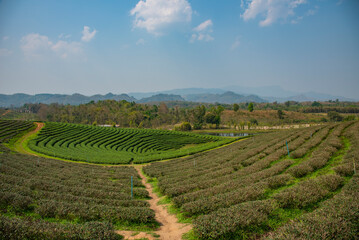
(295, 184)
(42, 198)
(118, 146)
(253, 189)
(11, 129)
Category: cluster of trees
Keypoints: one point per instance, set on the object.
(131, 114)
(128, 114)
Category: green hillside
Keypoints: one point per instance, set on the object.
(117, 145)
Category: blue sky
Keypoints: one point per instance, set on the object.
(119, 46)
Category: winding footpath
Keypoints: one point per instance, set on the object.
(6, 112)
(19, 145)
(170, 228)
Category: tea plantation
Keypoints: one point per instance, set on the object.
(253, 189)
(292, 184)
(42, 198)
(118, 146)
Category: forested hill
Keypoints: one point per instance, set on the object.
(162, 98)
(227, 97)
(19, 99)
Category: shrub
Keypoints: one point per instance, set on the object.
(334, 116)
(207, 205)
(301, 195)
(331, 182)
(185, 126)
(17, 201)
(345, 170)
(279, 180)
(15, 228)
(224, 223)
(336, 219)
(300, 170)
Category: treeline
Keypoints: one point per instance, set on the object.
(127, 114)
(331, 109)
(155, 115)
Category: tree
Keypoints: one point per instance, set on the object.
(163, 109)
(250, 107)
(235, 107)
(316, 104)
(198, 116)
(280, 114)
(253, 121)
(219, 109)
(334, 116)
(212, 118)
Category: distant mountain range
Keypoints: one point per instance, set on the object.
(161, 98)
(266, 93)
(229, 95)
(19, 99)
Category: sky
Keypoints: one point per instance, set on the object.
(121, 46)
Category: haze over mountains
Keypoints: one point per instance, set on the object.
(228, 95)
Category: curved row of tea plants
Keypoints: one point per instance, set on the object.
(12, 128)
(253, 187)
(42, 198)
(115, 145)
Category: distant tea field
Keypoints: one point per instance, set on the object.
(110, 145)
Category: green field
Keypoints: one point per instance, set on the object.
(117, 145)
(252, 189)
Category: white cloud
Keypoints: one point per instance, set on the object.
(271, 10)
(87, 35)
(154, 15)
(236, 44)
(4, 38)
(204, 26)
(64, 49)
(203, 32)
(140, 41)
(309, 13)
(35, 44)
(64, 36)
(4, 52)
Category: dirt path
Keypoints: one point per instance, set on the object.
(19, 145)
(170, 229)
(6, 112)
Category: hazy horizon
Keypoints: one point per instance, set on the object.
(96, 47)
